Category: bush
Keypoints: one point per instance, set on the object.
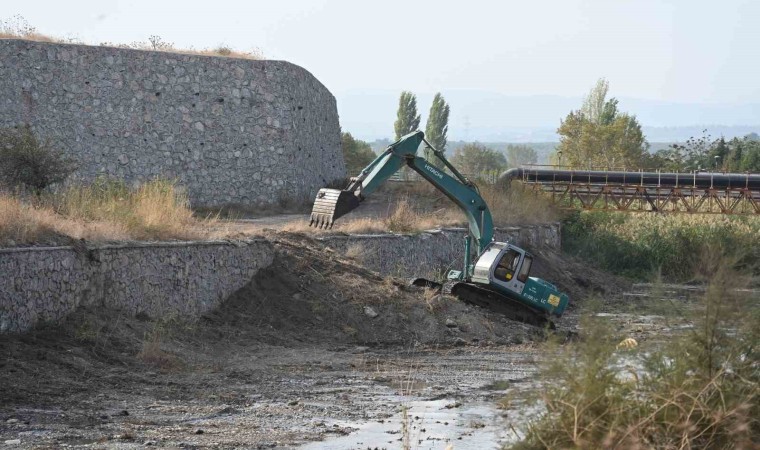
(699, 391)
(639, 244)
(27, 162)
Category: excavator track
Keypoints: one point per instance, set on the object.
(488, 299)
(501, 304)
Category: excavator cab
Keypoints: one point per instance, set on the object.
(506, 269)
(503, 265)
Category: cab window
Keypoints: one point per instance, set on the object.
(525, 269)
(507, 266)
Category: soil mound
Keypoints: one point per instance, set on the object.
(310, 294)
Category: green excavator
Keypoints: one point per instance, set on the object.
(499, 279)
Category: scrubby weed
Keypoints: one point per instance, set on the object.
(403, 219)
(153, 352)
(638, 244)
(700, 390)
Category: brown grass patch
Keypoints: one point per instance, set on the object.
(105, 211)
(153, 355)
(18, 28)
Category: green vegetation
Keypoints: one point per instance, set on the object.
(407, 119)
(735, 155)
(698, 390)
(30, 163)
(356, 153)
(437, 127)
(598, 135)
(640, 244)
(477, 159)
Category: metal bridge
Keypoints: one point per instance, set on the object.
(694, 192)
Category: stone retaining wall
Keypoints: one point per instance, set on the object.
(433, 253)
(182, 279)
(232, 131)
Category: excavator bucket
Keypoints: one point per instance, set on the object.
(331, 204)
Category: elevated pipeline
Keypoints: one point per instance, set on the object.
(698, 180)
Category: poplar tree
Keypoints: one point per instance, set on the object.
(437, 126)
(407, 119)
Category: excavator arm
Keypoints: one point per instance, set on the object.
(331, 204)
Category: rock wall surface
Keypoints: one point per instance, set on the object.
(432, 254)
(168, 279)
(232, 131)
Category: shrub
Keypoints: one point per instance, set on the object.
(638, 244)
(700, 390)
(25, 161)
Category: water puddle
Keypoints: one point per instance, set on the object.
(431, 425)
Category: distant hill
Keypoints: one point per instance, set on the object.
(493, 117)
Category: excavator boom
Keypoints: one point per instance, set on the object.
(331, 204)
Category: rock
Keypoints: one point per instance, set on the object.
(149, 443)
(450, 323)
(293, 403)
(13, 442)
(199, 431)
(297, 296)
(11, 421)
(370, 312)
(459, 342)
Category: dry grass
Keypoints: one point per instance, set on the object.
(29, 37)
(518, 205)
(104, 211)
(155, 210)
(404, 218)
(18, 28)
(415, 211)
(154, 355)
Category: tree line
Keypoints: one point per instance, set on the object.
(598, 135)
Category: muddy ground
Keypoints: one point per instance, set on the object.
(313, 352)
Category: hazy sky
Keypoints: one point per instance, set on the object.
(681, 51)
